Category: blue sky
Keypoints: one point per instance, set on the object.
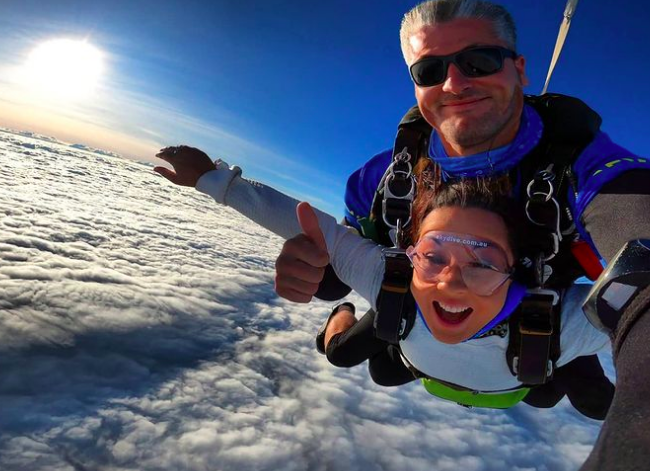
(298, 93)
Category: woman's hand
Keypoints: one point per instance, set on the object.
(189, 164)
(301, 265)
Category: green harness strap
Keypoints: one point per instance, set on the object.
(503, 400)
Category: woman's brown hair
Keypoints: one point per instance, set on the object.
(490, 193)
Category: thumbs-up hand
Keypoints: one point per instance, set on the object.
(310, 227)
(301, 264)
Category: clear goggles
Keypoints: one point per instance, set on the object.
(483, 265)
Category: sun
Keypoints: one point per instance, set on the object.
(65, 69)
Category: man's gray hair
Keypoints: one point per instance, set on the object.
(433, 12)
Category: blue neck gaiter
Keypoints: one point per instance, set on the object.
(516, 293)
(494, 161)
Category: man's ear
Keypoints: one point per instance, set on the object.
(520, 66)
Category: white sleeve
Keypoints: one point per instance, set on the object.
(579, 337)
(356, 261)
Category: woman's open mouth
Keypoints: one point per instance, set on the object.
(452, 314)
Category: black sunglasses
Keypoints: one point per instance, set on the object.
(473, 62)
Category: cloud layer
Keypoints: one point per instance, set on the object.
(139, 330)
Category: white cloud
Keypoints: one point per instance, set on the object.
(126, 116)
(136, 124)
(139, 330)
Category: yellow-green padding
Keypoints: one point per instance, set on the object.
(467, 398)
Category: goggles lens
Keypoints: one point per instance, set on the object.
(483, 264)
(473, 62)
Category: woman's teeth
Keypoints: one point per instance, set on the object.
(452, 314)
(452, 308)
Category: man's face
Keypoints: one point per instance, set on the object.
(470, 114)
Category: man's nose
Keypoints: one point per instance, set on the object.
(455, 82)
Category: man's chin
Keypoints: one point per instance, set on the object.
(469, 131)
(461, 130)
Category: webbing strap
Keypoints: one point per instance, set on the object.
(393, 306)
(534, 344)
(399, 181)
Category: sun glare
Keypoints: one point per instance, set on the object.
(65, 69)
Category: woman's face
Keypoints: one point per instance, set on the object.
(446, 301)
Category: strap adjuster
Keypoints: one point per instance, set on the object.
(537, 319)
(535, 329)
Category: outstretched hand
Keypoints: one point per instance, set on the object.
(300, 267)
(189, 164)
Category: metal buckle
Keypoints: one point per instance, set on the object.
(515, 366)
(556, 235)
(531, 327)
(402, 159)
(403, 156)
(557, 211)
(534, 331)
(547, 195)
(388, 194)
(547, 292)
(402, 327)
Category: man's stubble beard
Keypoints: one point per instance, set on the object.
(484, 129)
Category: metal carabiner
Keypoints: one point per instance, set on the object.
(541, 224)
(547, 195)
(401, 159)
(403, 156)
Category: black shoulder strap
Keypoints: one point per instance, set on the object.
(566, 119)
(534, 342)
(395, 304)
(412, 135)
(391, 207)
(569, 126)
(413, 119)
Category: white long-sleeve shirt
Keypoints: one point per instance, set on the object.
(478, 364)
(356, 261)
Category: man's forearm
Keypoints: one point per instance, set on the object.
(624, 440)
(618, 214)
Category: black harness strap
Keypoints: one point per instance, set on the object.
(534, 345)
(395, 300)
(395, 305)
(412, 135)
